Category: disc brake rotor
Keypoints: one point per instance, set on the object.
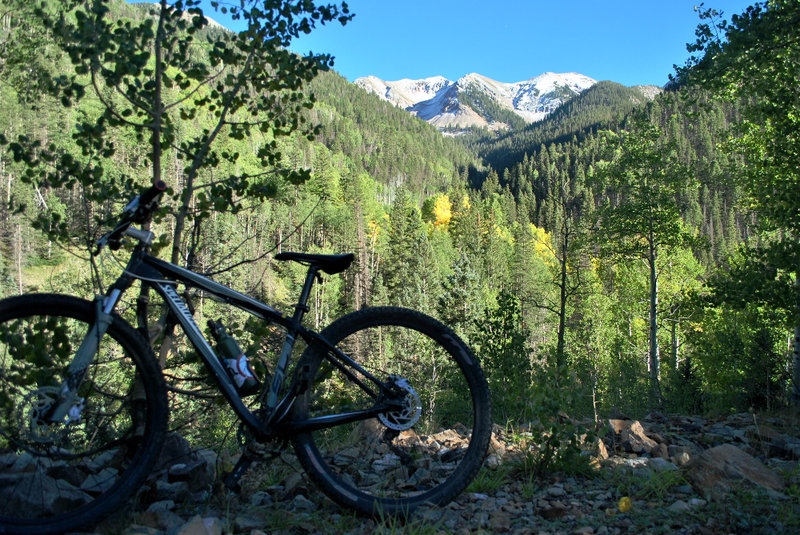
(408, 415)
(33, 412)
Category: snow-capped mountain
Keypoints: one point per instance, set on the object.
(443, 103)
(405, 93)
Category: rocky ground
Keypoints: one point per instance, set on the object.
(663, 474)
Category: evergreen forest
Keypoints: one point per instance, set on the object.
(626, 254)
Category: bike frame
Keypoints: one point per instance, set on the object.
(164, 276)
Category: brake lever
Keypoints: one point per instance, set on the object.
(99, 244)
(106, 241)
(131, 207)
(138, 210)
(112, 239)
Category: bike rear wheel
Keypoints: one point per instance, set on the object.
(58, 477)
(428, 449)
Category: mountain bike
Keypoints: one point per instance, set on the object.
(386, 408)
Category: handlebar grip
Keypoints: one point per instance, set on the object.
(146, 202)
(139, 210)
(152, 192)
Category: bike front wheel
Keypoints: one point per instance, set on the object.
(426, 449)
(58, 476)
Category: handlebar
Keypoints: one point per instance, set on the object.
(142, 206)
(138, 211)
(153, 191)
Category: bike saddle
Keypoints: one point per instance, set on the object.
(329, 263)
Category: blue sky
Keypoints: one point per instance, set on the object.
(627, 41)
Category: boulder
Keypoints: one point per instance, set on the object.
(198, 475)
(198, 525)
(629, 435)
(39, 496)
(679, 455)
(718, 470)
(175, 449)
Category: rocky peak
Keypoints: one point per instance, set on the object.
(440, 101)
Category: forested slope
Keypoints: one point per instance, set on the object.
(385, 141)
(601, 106)
(499, 235)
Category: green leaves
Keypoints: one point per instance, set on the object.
(754, 59)
(162, 74)
(644, 181)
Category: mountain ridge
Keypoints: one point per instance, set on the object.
(442, 102)
(476, 101)
(602, 106)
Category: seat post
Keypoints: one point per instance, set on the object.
(302, 304)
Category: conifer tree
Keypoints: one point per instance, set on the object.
(645, 177)
(754, 59)
(407, 273)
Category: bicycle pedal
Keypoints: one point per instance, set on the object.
(255, 449)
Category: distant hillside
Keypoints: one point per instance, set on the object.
(389, 143)
(601, 106)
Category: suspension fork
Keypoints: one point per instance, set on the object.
(69, 404)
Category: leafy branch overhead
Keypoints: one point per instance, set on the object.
(182, 85)
(754, 58)
(644, 180)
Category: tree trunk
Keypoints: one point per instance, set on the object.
(155, 144)
(675, 345)
(19, 258)
(361, 283)
(796, 357)
(655, 387)
(796, 364)
(158, 108)
(562, 309)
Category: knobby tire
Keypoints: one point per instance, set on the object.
(384, 466)
(60, 477)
